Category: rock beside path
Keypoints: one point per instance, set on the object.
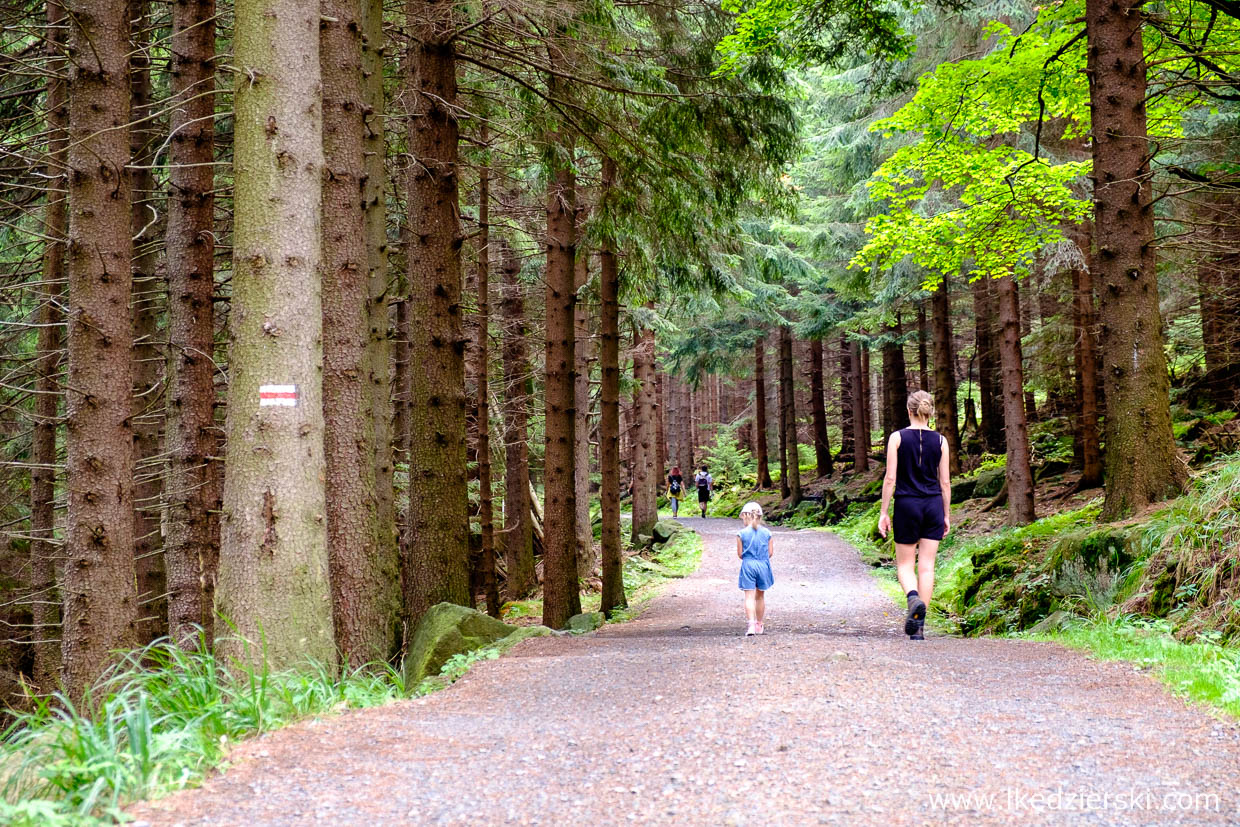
(447, 630)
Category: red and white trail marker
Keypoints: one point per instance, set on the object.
(284, 396)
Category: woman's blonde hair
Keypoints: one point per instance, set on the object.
(921, 403)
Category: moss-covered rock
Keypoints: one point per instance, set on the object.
(446, 630)
(988, 482)
(962, 489)
(586, 622)
(664, 530)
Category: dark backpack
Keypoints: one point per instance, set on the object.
(675, 487)
(703, 481)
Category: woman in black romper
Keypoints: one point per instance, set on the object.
(917, 474)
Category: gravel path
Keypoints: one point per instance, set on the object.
(831, 717)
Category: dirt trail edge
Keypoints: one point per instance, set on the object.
(676, 717)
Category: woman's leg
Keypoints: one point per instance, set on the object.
(926, 552)
(759, 605)
(906, 560)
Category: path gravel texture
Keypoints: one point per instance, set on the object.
(676, 718)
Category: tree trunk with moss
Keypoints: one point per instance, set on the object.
(100, 601)
(482, 355)
(587, 558)
(645, 509)
(436, 565)
(273, 580)
(759, 402)
(364, 568)
(846, 370)
(946, 417)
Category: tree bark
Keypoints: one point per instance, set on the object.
(482, 353)
(436, 562)
(789, 416)
(645, 511)
(845, 398)
(782, 401)
(1141, 462)
(988, 381)
(612, 596)
(1085, 359)
(378, 357)
(365, 607)
(561, 598)
(273, 580)
(1019, 474)
(147, 361)
(660, 428)
(518, 530)
(923, 364)
(946, 418)
(190, 251)
(587, 560)
(100, 600)
(861, 428)
(45, 616)
(759, 401)
(895, 383)
(822, 448)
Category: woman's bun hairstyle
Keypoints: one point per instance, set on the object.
(921, 403)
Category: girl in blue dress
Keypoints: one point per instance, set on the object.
(754, 547)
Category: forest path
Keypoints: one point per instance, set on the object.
(832, 717)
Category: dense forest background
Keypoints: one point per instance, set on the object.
(317, 316)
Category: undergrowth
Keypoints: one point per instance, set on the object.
(164, 717)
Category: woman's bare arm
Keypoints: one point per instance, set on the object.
(945, 483)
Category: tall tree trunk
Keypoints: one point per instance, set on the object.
(1141, 462)
(612, 596)
(789, 414)
(378, 357)
(365, 609)
(587, 560)
(1019, 473)
(482, 352)
(518, 530)
(782, 402)
(861, 428)
(923, 365)
(895, 381)
(759, 401)
(660, 428)
(988, 384)
(436, 562)
(45, 617)
(822, 448)
(561, 597)
(273, 581)
(100, 601)
(645, 513)
(1085, 360)
(1026, 328)
(946, 418)
(147, 373)
(190, 245)
(847, 373)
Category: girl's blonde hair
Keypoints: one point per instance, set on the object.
(921, 403)
(753, 509)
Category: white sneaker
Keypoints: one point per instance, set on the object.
(753, 629)
(758, 628)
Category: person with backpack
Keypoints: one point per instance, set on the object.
(705, 487)
(675, 490)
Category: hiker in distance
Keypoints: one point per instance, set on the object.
(705, 487)
(918, 476)
(675, 490)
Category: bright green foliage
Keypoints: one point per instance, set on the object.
(1006, 206)
(728, 461)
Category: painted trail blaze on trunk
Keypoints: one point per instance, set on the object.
(1141, 462)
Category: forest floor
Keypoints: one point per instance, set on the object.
(832, 717)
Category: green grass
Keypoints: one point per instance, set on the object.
(1203, 672)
